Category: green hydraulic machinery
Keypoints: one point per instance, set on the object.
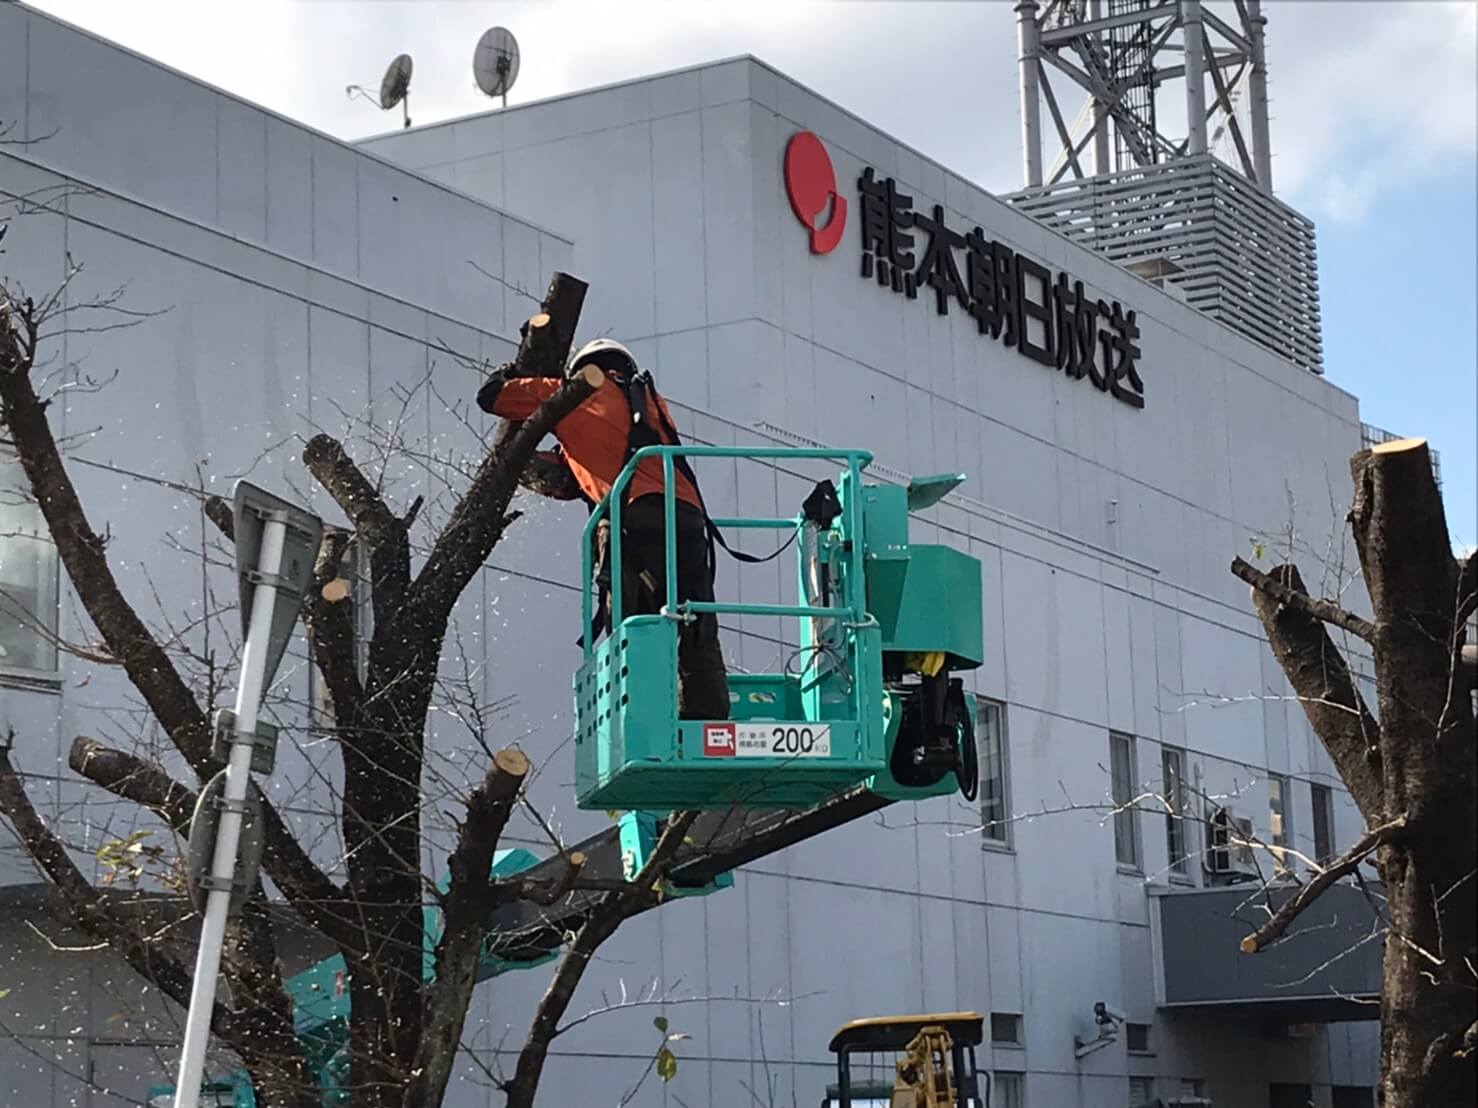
(870, 714)
(883, 625)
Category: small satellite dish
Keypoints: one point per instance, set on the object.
(495, 62)
(395, 86)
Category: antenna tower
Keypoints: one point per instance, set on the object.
(1168, 207)
(1121, 54)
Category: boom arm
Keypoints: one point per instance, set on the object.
(723, 841)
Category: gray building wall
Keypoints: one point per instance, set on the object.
(1104, 532)
(307, 285)
(291, 287)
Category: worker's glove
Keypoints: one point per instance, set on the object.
(487, 396)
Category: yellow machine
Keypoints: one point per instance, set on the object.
(931, 1058)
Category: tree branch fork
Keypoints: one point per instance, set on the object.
(1326, 610)
(1374, 839)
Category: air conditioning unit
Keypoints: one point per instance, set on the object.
(1229, 852)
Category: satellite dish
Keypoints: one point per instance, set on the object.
(495, 62)
(395, 86)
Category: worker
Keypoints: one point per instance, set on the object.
(596, 441)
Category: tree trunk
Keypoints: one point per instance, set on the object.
(1409, 767)
(1427, 729)
(467, 905)
(382, 837)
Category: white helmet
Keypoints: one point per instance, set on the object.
(607, 354)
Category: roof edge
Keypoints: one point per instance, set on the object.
(351, 145)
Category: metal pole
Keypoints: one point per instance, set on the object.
(238, 775)
(1195, 74)
(1257, 91)
(1102, 163)
(1027, 34)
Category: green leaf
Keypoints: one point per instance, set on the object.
(660, 1023)
(4, 993)
(1257, 551)
(666, 1064)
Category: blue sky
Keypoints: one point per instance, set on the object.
(1398, 291)
(1374, 128)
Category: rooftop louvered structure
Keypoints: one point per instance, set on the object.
(1201, 228)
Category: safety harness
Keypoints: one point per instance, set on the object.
(638, 388)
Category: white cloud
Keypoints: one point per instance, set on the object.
(1367, 96)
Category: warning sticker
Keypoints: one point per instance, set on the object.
(718, 740)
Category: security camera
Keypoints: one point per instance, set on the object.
(1106, 1021)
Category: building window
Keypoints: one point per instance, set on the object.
(1009, 1089)
(1137, 1038)
(1126, 825)
(1005, 1028)
(1192, 1088)
(351, 572)
(1172, 767)
(990, 732)
(1141, 1091)
(1352, 1096)
(1279, 821)
(28, 579)
(1321, 798)
(1290, 1096)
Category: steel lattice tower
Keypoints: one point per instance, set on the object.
(1164, 205)
(1122, 54)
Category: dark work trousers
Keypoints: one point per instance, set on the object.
(703, 684)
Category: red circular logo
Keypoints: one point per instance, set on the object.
(811, 185)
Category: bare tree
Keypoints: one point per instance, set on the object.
(1409, 765)
(404, 1030)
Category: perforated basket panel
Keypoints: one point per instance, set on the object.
(625, 704)
(631, 752)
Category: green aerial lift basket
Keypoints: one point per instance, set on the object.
(873, 610)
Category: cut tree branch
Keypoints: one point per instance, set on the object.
(548, 893)
(133, 778)
(543, 351)
(1346, 863)
(545, 340)
(385, 535)
(465, 910)
(478, 521)
(1322, 682)
(329, 617)
(1326, 610)
(1401, 535)
(220, 513)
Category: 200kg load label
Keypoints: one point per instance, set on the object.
(766, 740)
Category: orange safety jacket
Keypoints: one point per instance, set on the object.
(593, 436)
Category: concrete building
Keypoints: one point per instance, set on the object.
(297, 283)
